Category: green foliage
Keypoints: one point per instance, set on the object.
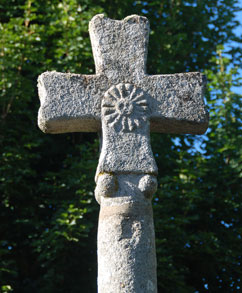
(48, 212)
(201, 201)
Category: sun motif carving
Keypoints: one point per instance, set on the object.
(125, 107)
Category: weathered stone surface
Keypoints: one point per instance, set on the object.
(126, 239)
(72, 102)
(125, 126)
(120, 47)
(125, 103)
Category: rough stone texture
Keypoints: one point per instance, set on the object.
(126, 236)
(126, 239)
(72, 102)
(125, 103)
(125, 126)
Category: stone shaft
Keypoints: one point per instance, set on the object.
(126, 249)
(126, 241)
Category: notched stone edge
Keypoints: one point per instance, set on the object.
(134, 18)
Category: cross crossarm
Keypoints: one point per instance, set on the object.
(176, 102)
(70, 102)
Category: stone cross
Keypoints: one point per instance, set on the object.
(123, 103)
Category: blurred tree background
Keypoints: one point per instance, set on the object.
(48, 213)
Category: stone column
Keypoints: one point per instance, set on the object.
(126, 238)
(125, 184)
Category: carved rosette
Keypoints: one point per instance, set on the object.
(125, 107)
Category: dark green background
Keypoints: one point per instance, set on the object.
(48, 214)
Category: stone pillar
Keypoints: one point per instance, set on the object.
(126, 238)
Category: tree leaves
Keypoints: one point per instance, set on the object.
(48, 212)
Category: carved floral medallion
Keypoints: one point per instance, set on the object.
(124, 107)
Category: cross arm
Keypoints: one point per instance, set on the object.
(176, 102)
(70, 102)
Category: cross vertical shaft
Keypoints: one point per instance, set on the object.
(125, 103)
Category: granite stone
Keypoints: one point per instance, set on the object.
(123, 103)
